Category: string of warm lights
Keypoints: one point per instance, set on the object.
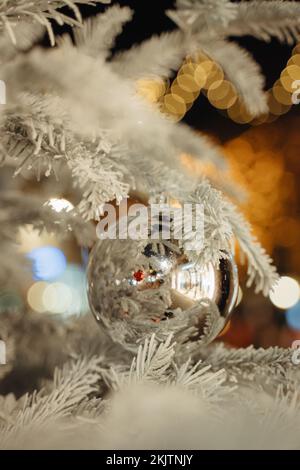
(202, 74)
(198, 74)
(152, 89)
(280, 95)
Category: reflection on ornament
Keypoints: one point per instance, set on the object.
(193, 283)
(239, 297)
(135, 289)
(139, 275)
(225, 330)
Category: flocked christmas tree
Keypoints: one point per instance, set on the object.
(78, 117)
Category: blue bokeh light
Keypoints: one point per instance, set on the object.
(293, 317)
(48, 263)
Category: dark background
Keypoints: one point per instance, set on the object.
(150, 18)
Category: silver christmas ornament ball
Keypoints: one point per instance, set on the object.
(136, 288)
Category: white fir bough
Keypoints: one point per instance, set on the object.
(70, 387)
(155, 391)
(75, 123)
(40, 12)
(211, 22)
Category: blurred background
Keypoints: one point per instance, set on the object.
(263, 160)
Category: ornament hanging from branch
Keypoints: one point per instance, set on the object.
(139, 287)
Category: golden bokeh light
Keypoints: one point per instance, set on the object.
(289, 75)
(239, 113)
(174, 105)
(280, 94)
(201, 73)
(188, 96)
(188, 68)
(270, 156)
(214, 73)
(182, 93)
(296, 49)
(197, 57)
(222, 94)
(151, 89)
(295, 59)
(201, 76)
(187, 82)
(264, 163)
(262, 119)
(275, 106)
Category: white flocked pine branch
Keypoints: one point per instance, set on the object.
(70, 387)
(74, 111)
(40, 12)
